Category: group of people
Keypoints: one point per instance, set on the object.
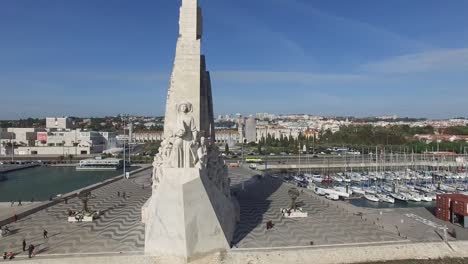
(30, 248)
(19, 203)
(124, 195)
(4, 231)
(11, 255)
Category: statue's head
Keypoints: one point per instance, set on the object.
(184, 107)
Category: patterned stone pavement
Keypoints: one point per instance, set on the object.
(119, 229)
(261, 202)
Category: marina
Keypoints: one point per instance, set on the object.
(382, 189)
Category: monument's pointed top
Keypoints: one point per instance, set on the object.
(190, 2)
(190, 20)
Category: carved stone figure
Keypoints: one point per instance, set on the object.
(157, 165)
(184, 138)
(202, 153)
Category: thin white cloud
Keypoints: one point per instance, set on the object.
(432, 61)
(307, 8)
(284, 77)
(243, 21)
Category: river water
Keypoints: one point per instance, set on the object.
(42, 182)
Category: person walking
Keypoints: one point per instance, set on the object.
(24, 245)
(124, 195)
(118, 194)
(45, 233)
(19, 203)
(15, 217)
(30, 250)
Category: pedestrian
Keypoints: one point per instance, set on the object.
(15, 217)
(269, 225)
(45, 233)
(32, 200)
(4, 255)
(19, 203)
(11, 255)
(12, 203)
(24, 245)
(66, 200)
(124, 195)
(118, 194)
(30, 250)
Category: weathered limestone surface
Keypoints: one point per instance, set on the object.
(187, 215)
(189, 80)
(191, 213)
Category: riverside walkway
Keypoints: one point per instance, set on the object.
(119, 228)
(357, 165)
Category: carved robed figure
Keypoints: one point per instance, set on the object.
(184, 138)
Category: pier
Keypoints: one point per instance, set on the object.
(10, 168)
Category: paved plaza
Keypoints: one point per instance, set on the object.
(119, 229)
(261, 202)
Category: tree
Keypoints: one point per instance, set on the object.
(84, 197)
(293, 194)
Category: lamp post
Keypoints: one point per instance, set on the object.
(124, 139)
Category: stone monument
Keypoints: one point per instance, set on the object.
(191, 213)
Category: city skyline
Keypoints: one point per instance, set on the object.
(92, 59)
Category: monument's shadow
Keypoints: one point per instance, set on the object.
(254, 203)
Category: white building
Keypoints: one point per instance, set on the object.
(58, 123)
(251, 129)
(147, 136)
(70, 142)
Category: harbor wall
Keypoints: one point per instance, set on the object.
(11, 168)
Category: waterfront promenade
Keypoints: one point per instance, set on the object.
(4, 168)
(330, 228)
(119, 229)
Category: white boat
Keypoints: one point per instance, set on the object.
(371, 198)
(370, 190)
(425, 198)
(342, 189)
(332, 196)
(298, 178)
(99, 164)
(357, 190)
(319, 191)
(337, 178)
(413, 197)
(317, 178)
(399, 197)
(431, 195)
(385, 198)
(334, 192)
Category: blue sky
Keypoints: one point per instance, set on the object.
(362, 57)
